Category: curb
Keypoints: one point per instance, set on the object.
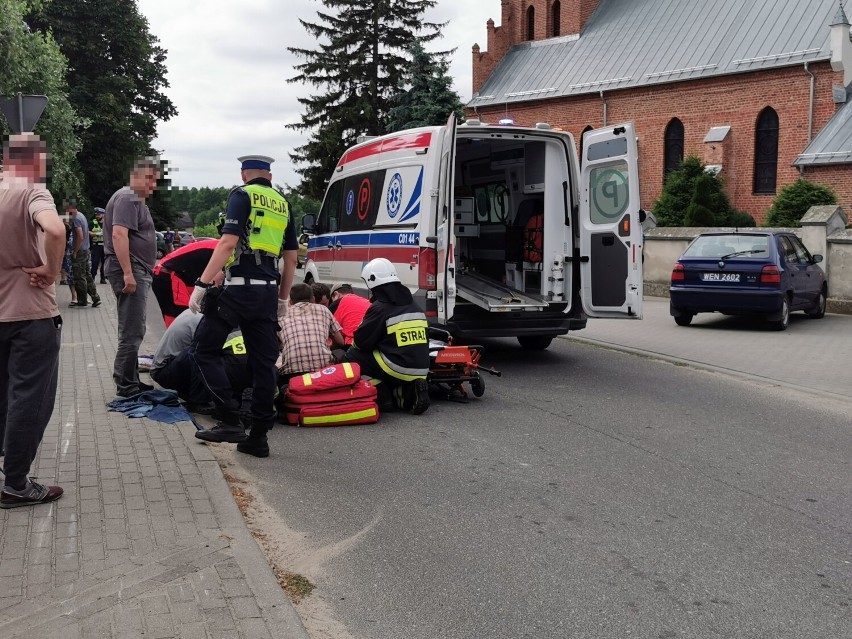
(278, 612)
(732, 372)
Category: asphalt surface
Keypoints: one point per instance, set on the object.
(590, 493)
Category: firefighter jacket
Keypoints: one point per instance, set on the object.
(394, 337)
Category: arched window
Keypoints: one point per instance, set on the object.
(556, 17)
(766, 151)
(588, 128)
(531, 23)
(673, 151)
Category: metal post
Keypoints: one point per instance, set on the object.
(20, 112)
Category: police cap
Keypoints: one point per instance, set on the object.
(261, 162)
(99, 211)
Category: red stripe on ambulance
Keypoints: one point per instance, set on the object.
(411, 141)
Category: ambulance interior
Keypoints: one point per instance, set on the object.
(500, 201)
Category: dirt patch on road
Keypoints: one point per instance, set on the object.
(294, 561)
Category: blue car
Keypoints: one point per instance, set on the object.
(766, 273)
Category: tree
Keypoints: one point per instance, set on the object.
(794, 200)
(671, 207)
(698, 212)
(360, 62)
(31, 63)
(116, 73)
(431, 98)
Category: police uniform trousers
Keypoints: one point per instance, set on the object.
(98, 260)
(254, 309)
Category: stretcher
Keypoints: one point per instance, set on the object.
(451, 367)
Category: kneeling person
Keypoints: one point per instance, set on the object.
(391, 344)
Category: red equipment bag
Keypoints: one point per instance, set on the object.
(533, 236)
(333, 376)
(333, 407)
(362, 411)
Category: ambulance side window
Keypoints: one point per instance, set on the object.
(360, 199)
(328, 220)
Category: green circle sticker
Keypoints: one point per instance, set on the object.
(610, 193)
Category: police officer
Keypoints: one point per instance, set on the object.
(255, 292)
(96, 235)
(391, 345)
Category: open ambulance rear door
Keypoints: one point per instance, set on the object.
(446, 272)
(610, 230)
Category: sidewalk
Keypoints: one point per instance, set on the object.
(812, 355)
(147, 540)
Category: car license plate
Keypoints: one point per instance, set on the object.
(721, 277)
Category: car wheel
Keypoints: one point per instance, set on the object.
(535, 342)
(818, 310)
(784, 322)
(684, 319)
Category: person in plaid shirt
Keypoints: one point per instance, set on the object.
(305, 332)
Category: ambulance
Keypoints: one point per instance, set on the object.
(498, 231)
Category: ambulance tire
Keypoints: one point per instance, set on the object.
(477, 386)
(535, 342)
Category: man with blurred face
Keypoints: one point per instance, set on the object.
(130, 246)
(30, 324)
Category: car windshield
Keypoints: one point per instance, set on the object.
(727, 246)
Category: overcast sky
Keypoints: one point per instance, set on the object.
(228, 65)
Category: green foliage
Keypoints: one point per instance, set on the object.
(794, 200)
(115, 76)
(301, 206)
(698, 212)
(205, 230)
(740, 219)
(670, 209)
(360, 60)
(431, 98)
(32, 64)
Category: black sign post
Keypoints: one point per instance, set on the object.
(23, 111)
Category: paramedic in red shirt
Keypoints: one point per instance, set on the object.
(348, 309)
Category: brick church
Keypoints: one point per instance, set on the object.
(756, 88)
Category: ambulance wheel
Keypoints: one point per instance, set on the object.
(477, 385)
(535, 342)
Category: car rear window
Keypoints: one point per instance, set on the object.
(734, 245)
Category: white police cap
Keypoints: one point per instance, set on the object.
(262, 162)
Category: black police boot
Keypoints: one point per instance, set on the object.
(256, 443)
(227, 429)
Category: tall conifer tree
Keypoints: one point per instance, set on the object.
(359, 64)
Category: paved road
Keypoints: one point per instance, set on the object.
(590, 493)
(811, 354)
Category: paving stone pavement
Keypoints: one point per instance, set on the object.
(147, 540)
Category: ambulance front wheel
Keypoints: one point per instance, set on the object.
(535, 342)
(477, 386)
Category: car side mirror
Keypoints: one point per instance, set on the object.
(816, 259)
(308, 222)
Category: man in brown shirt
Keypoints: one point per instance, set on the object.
(30, 325)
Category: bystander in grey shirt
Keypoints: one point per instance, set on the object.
(80, 222)
(178, 337)
(126, 209)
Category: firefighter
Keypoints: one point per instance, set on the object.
(391, 345)
(254, 294)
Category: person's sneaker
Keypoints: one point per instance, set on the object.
(31, 495)
(103, 281)
(130, 392)
(420, 389)
(222, 432)
(96, 303)
(256, 446)
(78, 304)
(145, 387)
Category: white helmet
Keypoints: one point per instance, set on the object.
(379, 271)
